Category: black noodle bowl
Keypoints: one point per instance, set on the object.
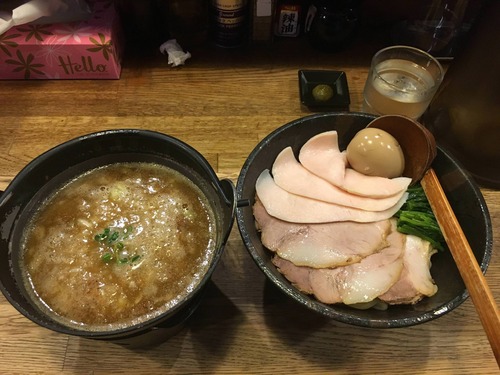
(462, 192)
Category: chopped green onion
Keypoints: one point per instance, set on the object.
(127, 232)
(112, 239)
(107, 257)
(114, 236)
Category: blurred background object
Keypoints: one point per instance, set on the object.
(465, 113)
(144, 24)
(331, 25)
(425, 24)
(188, 21)
(437, 31)
(262, 20)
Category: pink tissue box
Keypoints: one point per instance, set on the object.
(89, 49)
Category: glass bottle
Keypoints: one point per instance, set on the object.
(437, 32)
(288, 19)
(229, 22)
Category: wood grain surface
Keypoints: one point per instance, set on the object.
(221, 103)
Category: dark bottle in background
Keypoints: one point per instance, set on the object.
(229, 23)
(144, 23)
(464, 115)
(331, 25)
(187, 21)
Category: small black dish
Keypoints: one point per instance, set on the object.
(337, 80)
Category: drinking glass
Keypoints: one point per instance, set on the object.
(402, 81)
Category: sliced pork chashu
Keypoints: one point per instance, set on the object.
(321, 155)
(293, 177)
(298, 209)
(416, 280)
(321, 245)
(356, 283)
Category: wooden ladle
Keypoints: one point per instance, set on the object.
(419, 150)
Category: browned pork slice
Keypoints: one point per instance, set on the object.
(298, 276)
(356, 283)
(298, 209)
(321, 155)
(320, 245)
(291, 176)
(416, 280)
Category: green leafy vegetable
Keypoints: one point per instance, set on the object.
(116, 251)
(416, 217)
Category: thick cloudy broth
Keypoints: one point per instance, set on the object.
(118, 245)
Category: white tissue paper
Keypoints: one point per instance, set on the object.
(176, 55)
(41, 11)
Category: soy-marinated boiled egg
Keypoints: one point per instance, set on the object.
(375, 152)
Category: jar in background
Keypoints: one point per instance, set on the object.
(289, 18)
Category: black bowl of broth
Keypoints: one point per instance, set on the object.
(113, 235)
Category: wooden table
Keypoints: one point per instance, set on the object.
(222, 104)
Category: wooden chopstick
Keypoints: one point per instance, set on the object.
(461, 251)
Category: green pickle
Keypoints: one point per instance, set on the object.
(322, 93)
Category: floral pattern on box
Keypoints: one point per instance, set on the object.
(89, 49)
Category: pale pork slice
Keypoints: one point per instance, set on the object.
(320, 245)
(321, 156)
(373, 186)
(291, 176)
(298, 209)
(416, 280)
(320, 148)
(356, 283)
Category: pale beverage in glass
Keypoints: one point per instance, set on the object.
(402, 80)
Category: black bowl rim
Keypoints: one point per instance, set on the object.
(325, 309)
